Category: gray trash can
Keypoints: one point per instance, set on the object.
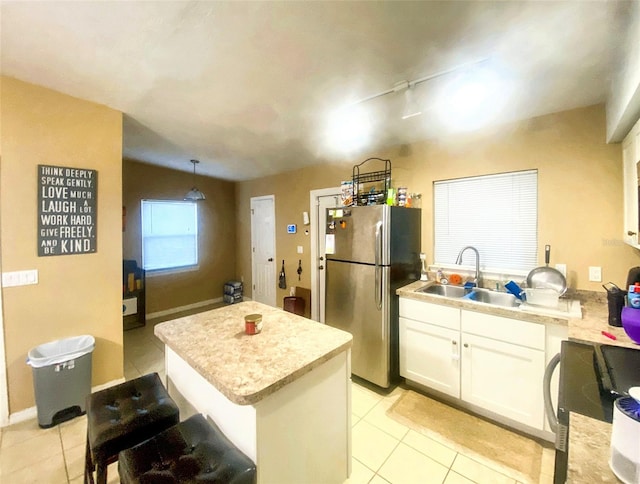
(61, 378)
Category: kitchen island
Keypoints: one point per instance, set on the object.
(282, 396)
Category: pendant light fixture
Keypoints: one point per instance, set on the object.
(194, 194)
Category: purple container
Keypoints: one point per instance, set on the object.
(631, 323)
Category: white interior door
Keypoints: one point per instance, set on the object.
(320, 201)
(263, 250)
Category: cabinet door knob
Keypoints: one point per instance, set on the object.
(630, 232)
(466, 345)
(454, 342)
(321, 267)
(270, 259)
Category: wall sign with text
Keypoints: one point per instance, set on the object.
(67, 210)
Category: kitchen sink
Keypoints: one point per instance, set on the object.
(497, 298)
(443, 290)
(485, 296)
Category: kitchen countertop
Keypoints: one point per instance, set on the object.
(247, 368)
(532, 314)
(589, 438)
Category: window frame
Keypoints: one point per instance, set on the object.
(173, 268)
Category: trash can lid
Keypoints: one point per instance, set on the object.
(60, 351)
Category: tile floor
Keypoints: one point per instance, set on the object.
(384, 451)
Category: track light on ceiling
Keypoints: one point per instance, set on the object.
(411, 108)
(350, 127)
(194, 194)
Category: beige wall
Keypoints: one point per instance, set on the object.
(291, 192)
(216, 233)
(75, 294)
(579, 179)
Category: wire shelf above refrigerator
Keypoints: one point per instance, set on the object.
(370, 188)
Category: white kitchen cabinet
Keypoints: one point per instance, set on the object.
(437, 314)
(503, 363)
(630, 160)
(503, 378)
(490, 362)
(430, 355)
(429, 339)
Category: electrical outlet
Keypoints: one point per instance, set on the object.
(562, 268)
(595, 274)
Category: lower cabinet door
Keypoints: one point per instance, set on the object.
(430, 355)
(503, 378)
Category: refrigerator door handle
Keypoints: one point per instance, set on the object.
(378, 253)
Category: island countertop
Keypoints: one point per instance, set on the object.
(247, 368)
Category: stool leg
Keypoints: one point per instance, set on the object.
(88, 464)
(101, 474)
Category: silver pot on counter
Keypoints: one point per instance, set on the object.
(545, 277)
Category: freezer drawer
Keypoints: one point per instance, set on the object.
(351, 305)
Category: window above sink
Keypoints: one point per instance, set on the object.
(497, 214)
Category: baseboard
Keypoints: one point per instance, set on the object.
(179, 309)
(32, 412)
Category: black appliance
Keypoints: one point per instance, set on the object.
(616, 298)
(592, 376)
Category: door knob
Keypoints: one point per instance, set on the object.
(270, 259)
(629, 232)
(321, 267)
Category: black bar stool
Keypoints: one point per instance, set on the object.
(192, 451)
(122, 416)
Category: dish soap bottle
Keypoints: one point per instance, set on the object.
(634, 296)
(441, 278)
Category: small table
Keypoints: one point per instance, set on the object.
(282, 396)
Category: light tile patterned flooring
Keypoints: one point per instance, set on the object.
(384, 451)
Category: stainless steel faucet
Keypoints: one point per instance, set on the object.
(459, 261)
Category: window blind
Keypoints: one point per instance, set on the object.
(169, 234)
(497, 214)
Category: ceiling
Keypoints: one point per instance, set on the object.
(247, 87)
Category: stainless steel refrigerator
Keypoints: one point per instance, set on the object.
(371, 251)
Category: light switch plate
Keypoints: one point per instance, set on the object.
(595, 274)
(300, 249)
(19, 278)
(562, 268)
